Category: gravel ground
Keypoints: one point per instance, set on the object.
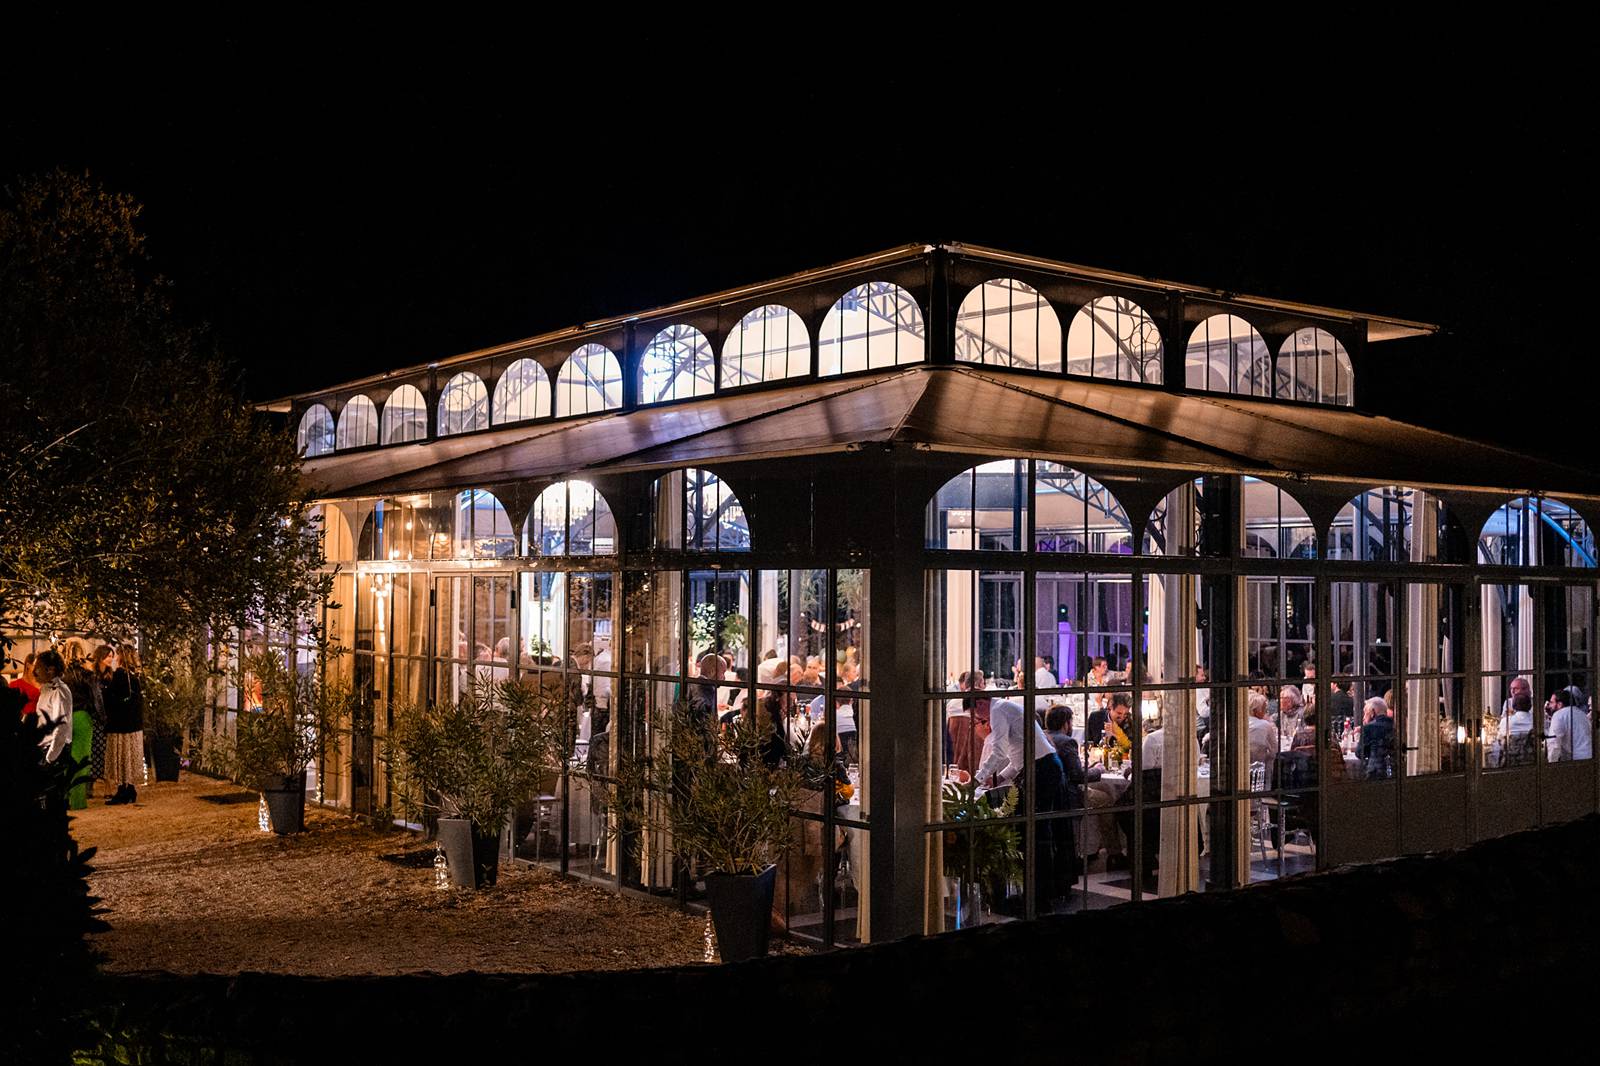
(193, 886)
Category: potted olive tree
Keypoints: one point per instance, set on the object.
(275, 742)
(469, 761)
(175, 700)
(714, 796)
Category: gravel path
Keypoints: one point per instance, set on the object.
(193, 886)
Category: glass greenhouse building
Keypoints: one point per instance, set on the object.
(1262, 631)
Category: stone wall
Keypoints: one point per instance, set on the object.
(1490, 949)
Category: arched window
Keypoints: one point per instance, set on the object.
(1115, 339)
(1536, 531)
(1395, 524)
(358, 423)
(316, 432)
(677, 365)
(482, 528)
(570, 518)
(769, 344)
(1314, 367)
(405, 416)
(983, 507)
(695, 510)
(463, 405)
(590, 382)
(523, 392)
(872, 326)
(1005, 322)
(1075, 513)
(1226, 354)
(1275, 526)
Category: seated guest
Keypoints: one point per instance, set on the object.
(1111, 726)
(1517, 730)
(1570, 732)
(1376, 750)
(1058, 727)
(1305, 738)
(1262, 735)
(1291, 705)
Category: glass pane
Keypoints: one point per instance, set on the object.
(1507, 629)
(1511, 722)
(542, 605)
(851, 617)
(1435, 629)
(1436, 732)
(653, 616)
(1275, 525)
(1363, 628)
(1367, 736)
(974, 620)
(719, 623)
(1569, 732)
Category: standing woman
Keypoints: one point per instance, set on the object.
(55, 704)
(124, 696)
(25, 685)
(86, 697)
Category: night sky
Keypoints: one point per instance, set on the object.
(332, 214)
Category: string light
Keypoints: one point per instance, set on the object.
(262, 821)
(711, 941)
(441, 870)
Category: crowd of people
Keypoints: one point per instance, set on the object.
(91, 707)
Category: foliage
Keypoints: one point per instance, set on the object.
(712, 629)
(983, 853)
(708, 791)
(143, 495)
(477, 756)
(176, 689)
(49, 911)
(298, 712)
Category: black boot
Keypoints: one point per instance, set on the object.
(121, 796)
(133, 795)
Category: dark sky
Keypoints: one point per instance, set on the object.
(332, 214)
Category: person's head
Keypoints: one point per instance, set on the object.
(978, 680)
(1521, 687)
(1257, 704)
(1058, 719)
(73, 651)
(1308, 669)
(848, 671)
(1388, 700)
(710, 666)
(1560, 698)
(1522, 704)
(1097, 665)
(128, 657)
(1289, 699)
(1200, 674)
(769, 655)
(980, 721)
(27, 666)
(964, 682)
(104, 659)
(1309, 719)
(797, 673)
(1121, 706)
(1374, 709)
(47, 666)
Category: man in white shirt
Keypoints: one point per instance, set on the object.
(1003, 763)
(1043, 679)
(1571, 736)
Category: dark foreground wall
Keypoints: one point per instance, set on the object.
(1490, 949)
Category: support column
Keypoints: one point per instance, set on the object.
(899, 762)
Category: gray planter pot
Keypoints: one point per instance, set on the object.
(473, 857)
(286, 804)
(741, 911)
